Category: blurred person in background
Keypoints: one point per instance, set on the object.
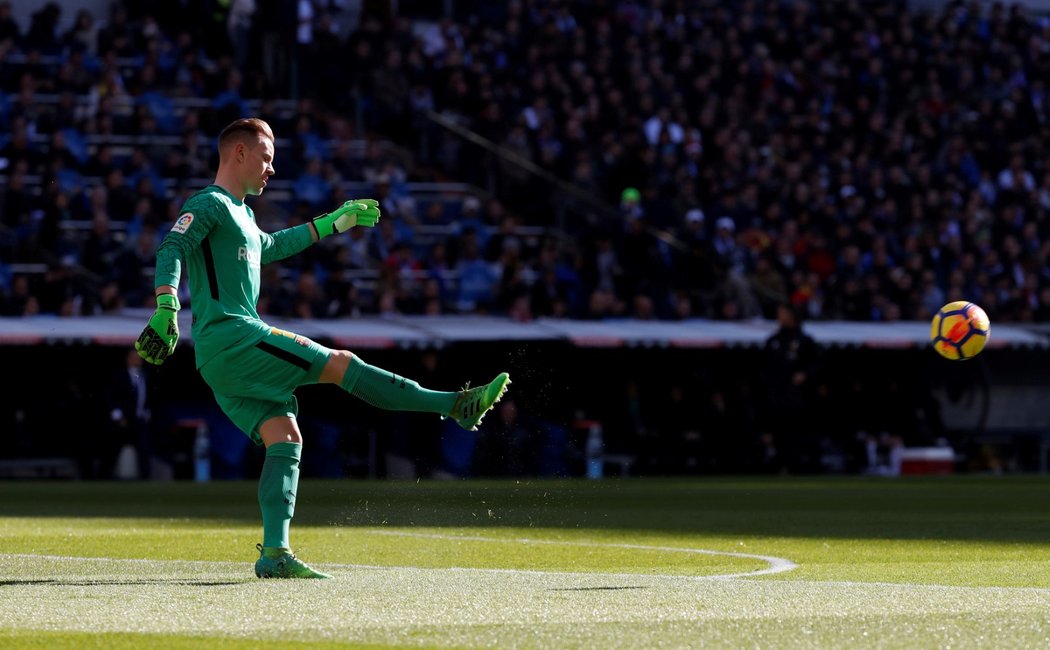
(130, 417)
(792, 361)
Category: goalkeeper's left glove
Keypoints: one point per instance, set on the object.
(359, 212)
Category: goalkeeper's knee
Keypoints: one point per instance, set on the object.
(335, 369)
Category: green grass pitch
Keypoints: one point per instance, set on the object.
(849, 562)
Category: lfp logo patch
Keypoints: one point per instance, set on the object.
(183, 224)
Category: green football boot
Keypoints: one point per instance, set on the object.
(473, 403)
(281, 563)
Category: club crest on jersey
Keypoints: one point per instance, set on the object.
(183, 224)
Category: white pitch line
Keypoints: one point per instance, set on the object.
(788, 565)
(916, 585)
(87, 558)
(776, 564)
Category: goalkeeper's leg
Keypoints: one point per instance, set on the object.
(386, 390)
(278, 485)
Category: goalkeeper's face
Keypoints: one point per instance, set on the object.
(258, 166)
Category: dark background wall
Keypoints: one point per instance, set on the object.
(662, 411)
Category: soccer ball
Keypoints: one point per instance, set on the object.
(960, 330)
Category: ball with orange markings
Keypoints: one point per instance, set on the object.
(960, 330)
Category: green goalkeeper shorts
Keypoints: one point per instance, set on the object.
(256, 382)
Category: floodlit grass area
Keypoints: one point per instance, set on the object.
(767, 563)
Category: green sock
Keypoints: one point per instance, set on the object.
(386, 390)
(277, 486)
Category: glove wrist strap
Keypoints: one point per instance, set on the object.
(323, 224)
(168, 301)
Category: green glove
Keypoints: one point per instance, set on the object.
(359, 212)
(158, 340)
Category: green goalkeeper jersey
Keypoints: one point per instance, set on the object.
(223, 249)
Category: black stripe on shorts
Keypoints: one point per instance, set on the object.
(284, 355)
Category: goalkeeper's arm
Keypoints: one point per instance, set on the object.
(291, 241)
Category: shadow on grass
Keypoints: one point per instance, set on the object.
(983, 508)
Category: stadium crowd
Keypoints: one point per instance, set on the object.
(861, 160)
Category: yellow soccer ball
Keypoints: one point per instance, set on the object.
(960, 330)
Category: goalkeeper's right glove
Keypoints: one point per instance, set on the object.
(158, 339)
(359, 212)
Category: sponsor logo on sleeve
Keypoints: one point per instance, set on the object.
(183, 223)
(301, 340)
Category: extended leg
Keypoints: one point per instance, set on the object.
(386, 390)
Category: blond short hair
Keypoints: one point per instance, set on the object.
(245, 130)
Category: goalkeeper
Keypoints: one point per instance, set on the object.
(251, 367)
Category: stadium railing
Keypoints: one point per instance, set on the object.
(408, 331)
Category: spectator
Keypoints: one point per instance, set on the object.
(133, 266)
(311, 187)
(43, 29)
(101, 248)
(21, 301)
(9, 30)
(239, 26)
(477, 282)
(83, 35)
